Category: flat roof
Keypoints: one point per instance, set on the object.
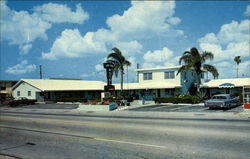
(157, 68)
(237, 82)
(63, 85)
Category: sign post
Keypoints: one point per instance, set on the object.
(109, 66)
(246, 97)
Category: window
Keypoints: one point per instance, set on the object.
(18, 93)
(29, 93)
(3, 88)
(202, 75)
(169, 75)
(147, 76)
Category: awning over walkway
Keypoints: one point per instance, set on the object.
(226, 85)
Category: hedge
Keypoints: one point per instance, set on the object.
(75, 99)
(180, 99)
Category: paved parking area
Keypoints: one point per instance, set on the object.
(46, 106)
(183, 108)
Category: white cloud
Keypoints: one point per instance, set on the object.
(24, 49)
(232, 40)
(209, 38)
(128, 48)
(158, 55)
(244, 68)
(152, 18)
(59, 13)
(159, 58)
(21, 68)
(71, 44)
(144, 19)
(247, 12)
(174, 20)
(23, 28)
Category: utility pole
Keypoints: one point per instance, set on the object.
(137, 75)
(40, 67)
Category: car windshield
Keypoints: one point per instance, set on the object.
(219, 97)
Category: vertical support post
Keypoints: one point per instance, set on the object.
(40, 67)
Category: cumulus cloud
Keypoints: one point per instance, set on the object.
(232, 40)
(24, 49)
(59, 13)
(143, 19)
(174, 20)
(21, 68)
(158, 55)
(131, 47)
(158, 58)
(23, 28)
(72, 44)
(234, 32)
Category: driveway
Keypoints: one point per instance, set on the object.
(183, 108)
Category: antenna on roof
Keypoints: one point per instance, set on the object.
(40, 67)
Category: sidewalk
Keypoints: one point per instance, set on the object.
(245, 115)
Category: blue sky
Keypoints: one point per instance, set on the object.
(71, 39)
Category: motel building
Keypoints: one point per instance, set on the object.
(152, 82)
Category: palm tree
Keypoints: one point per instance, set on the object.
(119, 62)
(238, 61)
(194, 60)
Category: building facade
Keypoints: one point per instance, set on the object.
(152, 82)
(6, 89)
(57, 89)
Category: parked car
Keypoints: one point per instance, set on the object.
(222, 101)
(21, 100)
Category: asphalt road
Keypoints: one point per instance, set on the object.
(58, 136)
(183, 108)
(46, 106)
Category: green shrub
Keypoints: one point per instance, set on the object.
(179, 99)
(70, 100)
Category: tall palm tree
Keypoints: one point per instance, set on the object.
(194, 60)
(119, 63)
(238, 61)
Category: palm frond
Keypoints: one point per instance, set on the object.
(186, 59)
(184, 68)
(212, 70)
(237, 59)
(126, 63)
(206, 56)
(117, 51)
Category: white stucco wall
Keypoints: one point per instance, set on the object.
(158, 76)
(24, 87)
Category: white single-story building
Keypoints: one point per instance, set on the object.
(54, 89)
(152, 82)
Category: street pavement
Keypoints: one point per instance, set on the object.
(148, 132)
(125, 134)
(183, 108)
